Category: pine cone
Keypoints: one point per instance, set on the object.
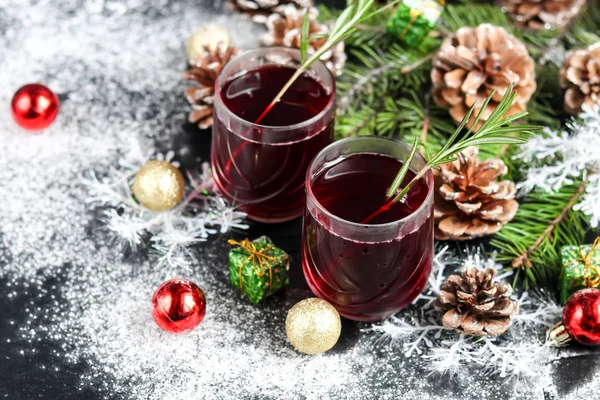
(285, 27)
(476, 61)
(468, 201)
(541, 14)
(203, 71)
(476, 305)
(259, 10)
(580, 77)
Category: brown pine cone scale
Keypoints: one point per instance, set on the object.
(468, 201)
(476, 305)
(541, 14)
(259, 10)
(203, 72)
(580, 78)
(285, 29)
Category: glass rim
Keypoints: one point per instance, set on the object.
(298, 125)
(334, 217)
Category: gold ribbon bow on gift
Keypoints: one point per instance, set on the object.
(414, 13)
(586, 259)
(259, 259)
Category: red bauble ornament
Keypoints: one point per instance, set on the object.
(581, 317)
(580, 320)
(34, 107)
(178, 306)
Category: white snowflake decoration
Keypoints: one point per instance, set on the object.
(201, 213)
(560, 158)
(419, 333)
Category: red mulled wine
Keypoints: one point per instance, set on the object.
(261, 166)
(356, 187)
(367, 271)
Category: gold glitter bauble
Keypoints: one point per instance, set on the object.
(158, 185)
(208, 35)
(313, 326)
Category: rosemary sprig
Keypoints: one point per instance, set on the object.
(495, 130)
(403, 171)
(355, 13)
(304, 36)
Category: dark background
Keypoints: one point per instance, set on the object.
(20, 377)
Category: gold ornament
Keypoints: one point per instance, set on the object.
(158, 185)
(313, 326)
(207, 36)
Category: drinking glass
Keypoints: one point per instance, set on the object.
(261, 166)
(368, 271)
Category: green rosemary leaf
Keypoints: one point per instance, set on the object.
(304, 35)
(492, 140)
(501, 110)
(513, 118)
(403, 171)
(457, 131)
(319, 35)
(526, 129)
(480, 113)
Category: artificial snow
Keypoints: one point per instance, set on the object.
(117, 65)
(561, 158)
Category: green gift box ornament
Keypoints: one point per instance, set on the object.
(581, 268)
(258, 268)
(414, 19)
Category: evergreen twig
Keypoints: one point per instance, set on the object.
(532, 240)
(523, 259)
(347, 99)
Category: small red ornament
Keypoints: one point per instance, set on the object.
(178, 306)
(34, 107)
(580, 320)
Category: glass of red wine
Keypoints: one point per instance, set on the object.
(261, 166)
(367, 270)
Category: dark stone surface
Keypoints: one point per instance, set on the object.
(22, 377)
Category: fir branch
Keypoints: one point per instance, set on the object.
(358, 123)
(379, 73)
(408, 68)
(523, 259)
(585, 30)
(408, 116)
(458, 16)
(532, 240)
(399, 65)
(360, 84)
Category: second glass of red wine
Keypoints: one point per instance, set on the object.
(260, 164)
(369, 265)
